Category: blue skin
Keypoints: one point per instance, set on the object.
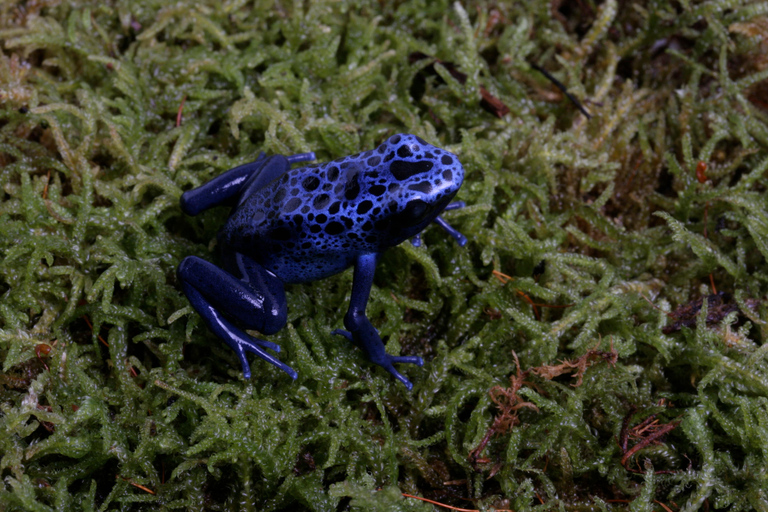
(300, 225)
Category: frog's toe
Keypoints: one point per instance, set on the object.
(274, 347)
(453, 232)
(388, 362)
(254, 346)
(343, 333)
(408, 359)
(455, 205)
(399, 376)
(391, 360)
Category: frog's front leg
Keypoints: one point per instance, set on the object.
(254, 299)
(440, 221)
(361, 332)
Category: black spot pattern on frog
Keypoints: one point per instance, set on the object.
(402, 170)
(310, 183)
(313, 221)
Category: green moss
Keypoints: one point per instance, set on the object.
(92, 163)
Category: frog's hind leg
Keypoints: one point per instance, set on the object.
(239, 182)
(271, 169)
(221, 189)
(257, 301)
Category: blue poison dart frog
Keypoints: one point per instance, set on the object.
(299, 225)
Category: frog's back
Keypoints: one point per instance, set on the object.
(304, 225)
(314, 221)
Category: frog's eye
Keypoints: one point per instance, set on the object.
(402, 170)
(416, 210)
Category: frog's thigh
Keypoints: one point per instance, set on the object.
(257, 301)
(220, 189)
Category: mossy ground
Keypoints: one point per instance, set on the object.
(595, 214)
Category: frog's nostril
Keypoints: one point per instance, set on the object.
(415, 210)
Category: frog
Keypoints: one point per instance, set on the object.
(297, 225)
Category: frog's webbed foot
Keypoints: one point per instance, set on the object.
(374, 348)
(460, 239)
(242, 343)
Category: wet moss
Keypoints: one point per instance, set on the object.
(115, 396)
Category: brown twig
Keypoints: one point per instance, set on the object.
(90, 326)
(562, 88)
(645, 442)
(181, 109)
(450, 507)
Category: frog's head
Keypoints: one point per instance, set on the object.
(422, 179)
